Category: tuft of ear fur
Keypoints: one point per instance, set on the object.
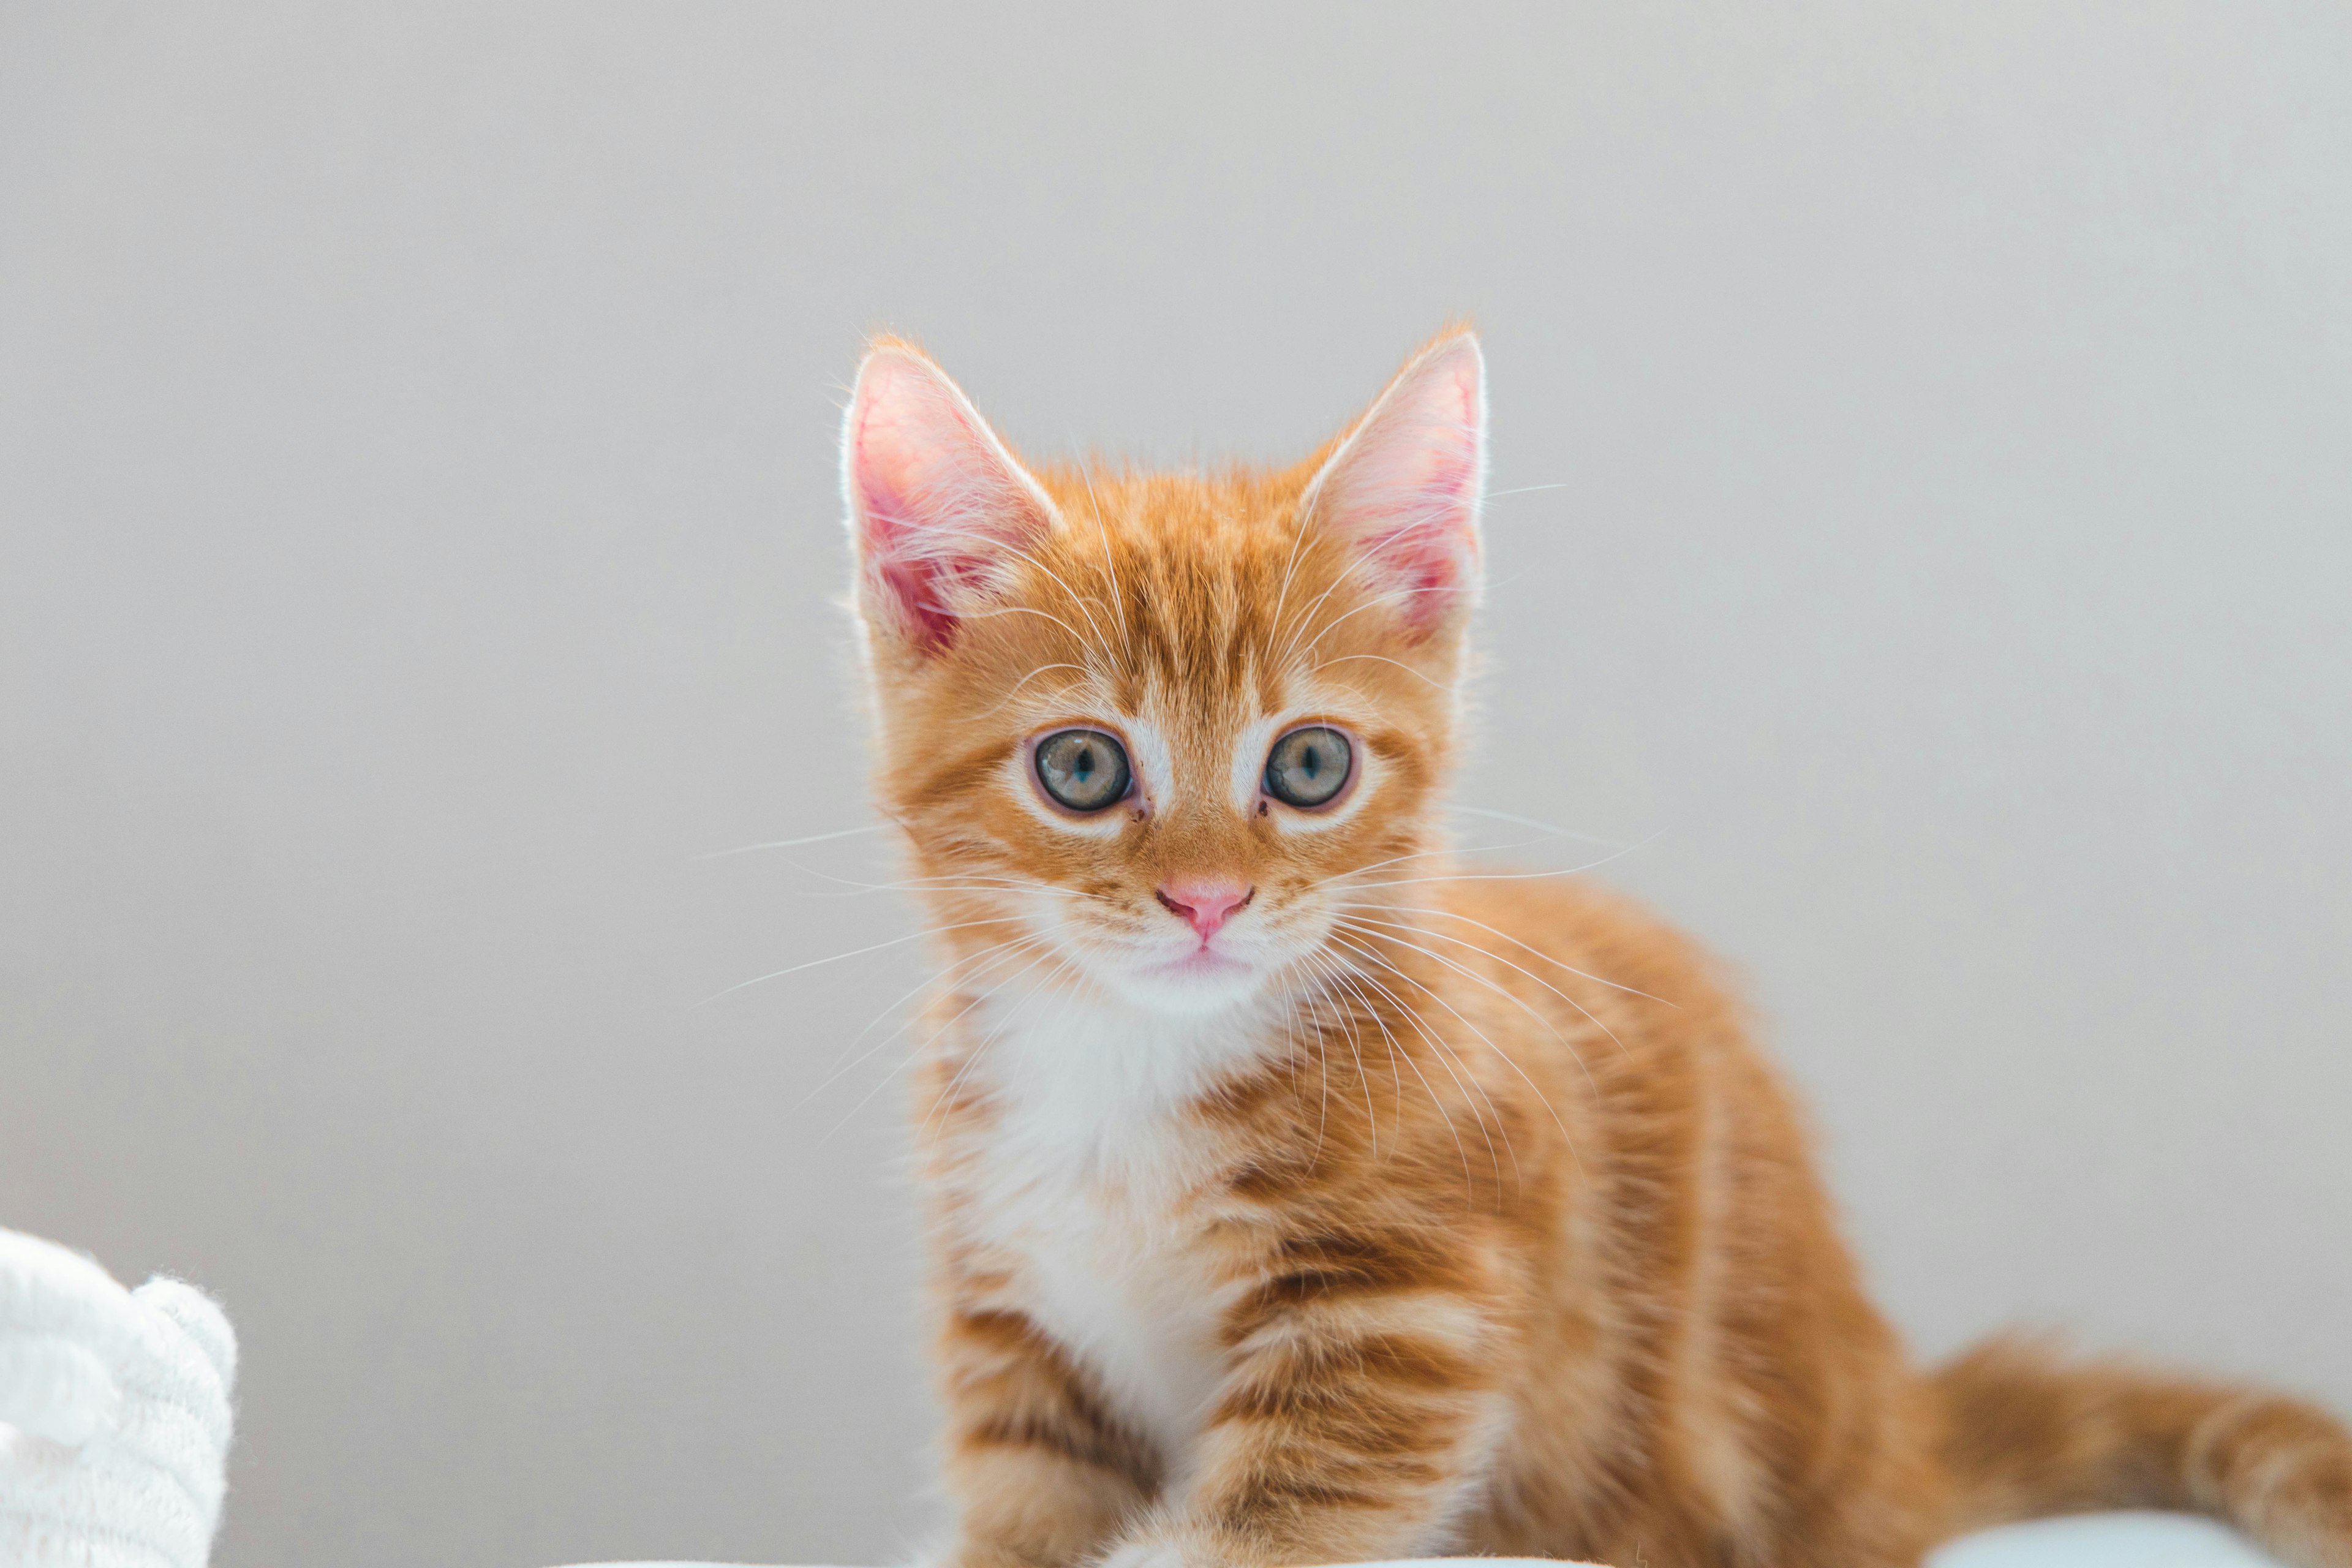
(937, 509)
(1404, 487)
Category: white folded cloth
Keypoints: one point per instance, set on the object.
(114, 1415)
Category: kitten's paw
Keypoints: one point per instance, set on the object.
(1159, 1552)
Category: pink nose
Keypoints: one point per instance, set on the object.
(1206, 903)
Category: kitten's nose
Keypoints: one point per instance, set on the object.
(1205, 902)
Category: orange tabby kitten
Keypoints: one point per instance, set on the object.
(1295, 1197)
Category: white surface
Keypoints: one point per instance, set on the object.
(2106, 1541)
(2086, 1541)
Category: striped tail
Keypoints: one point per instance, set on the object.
(2027, 1434)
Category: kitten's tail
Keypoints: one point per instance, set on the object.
(2026, 1434)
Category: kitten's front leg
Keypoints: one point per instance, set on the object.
(1042, 1477)
(1359, 1411)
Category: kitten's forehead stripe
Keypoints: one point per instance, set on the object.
(1194, 572)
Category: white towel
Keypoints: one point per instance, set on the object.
(114, 1415)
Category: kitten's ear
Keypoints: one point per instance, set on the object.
(937, 506)
(1403, 487)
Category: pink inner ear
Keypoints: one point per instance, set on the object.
(1405, 486)
(915, 581)
(936, 503)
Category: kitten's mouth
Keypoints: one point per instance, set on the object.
(1204, 963)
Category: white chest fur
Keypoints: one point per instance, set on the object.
(1082, 1177)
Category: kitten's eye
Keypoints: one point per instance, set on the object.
(1308, 767)
(1085, 770)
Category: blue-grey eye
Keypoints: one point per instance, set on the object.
(1308, 767)
(1085, 770)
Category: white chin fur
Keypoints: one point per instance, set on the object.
(1189, 996)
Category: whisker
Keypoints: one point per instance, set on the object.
(1110, 567)
(1290, 648)
(1532, 822)
(1015, 690)
(972, 882)
(1475, 1082)
(1417, 854)
(1566, 1043)
(1373, 603)
(1323, 1097)
(793, 843)
(1444, 1058)
(1440, 998)
(1355, 980)
(916, 991)
(1359, 921)
(836, 958)
(843, 1068)
(980, 1049)
(1356, 1051)
(1383, 658)
(1322, 1091)
(1518, 876)
(973, 614)
(911, 1058)
(859, 890)
(1290, 566)
(1506, 936)
(1455, 1068)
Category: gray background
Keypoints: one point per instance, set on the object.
(420, 546)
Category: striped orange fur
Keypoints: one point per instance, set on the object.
(1299, 1195)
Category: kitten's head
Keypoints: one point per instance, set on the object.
(1162, 730)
